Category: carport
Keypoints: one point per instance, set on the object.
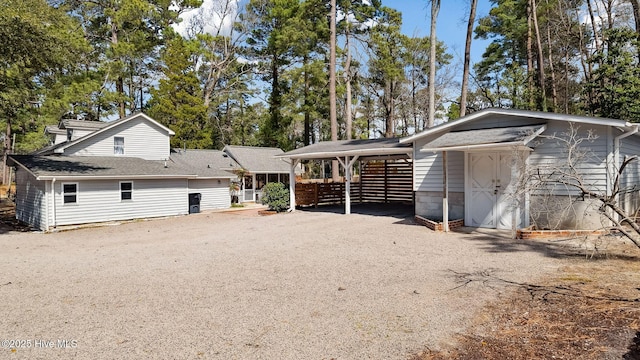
(347, 153)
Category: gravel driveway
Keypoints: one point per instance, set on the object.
(234, 285)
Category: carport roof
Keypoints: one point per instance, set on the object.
(484, 138)
(341, 148)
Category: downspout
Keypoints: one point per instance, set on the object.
(53, 195)
(616, 151)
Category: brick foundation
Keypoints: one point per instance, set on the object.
(531, 233)
(438, 225)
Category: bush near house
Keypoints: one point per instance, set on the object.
(276, 196)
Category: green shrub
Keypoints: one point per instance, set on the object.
(276, 196)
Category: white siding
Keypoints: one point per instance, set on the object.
(30, 200)
(59, 138)
(99, 200)
(550, 153)
(78, 133)
(427, 172)
(142, 139)
(215, 193)
(630, 146)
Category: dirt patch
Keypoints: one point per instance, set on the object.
(8, 221)
(589, 310)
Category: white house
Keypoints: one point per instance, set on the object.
(123, 170)
(476, 168)
(482, 175)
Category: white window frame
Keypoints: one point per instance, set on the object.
(121, 191)
(76, 193)
(116, 146)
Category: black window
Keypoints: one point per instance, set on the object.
(70, 193)
(126, 190)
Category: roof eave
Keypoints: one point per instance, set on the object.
(512, 144)
(113, 177)
(333, 154)
(520, 113)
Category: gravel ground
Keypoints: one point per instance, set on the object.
(305, 285)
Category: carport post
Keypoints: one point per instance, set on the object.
(347, 164)
(445, 194)
(292, 184)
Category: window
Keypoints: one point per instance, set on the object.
(261, 180)
(284, 178)
(273, 178)
(118, 145)
(69, 193)
(248, 182)
(126, 190)
(69, 134)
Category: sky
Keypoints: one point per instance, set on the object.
(451, 24)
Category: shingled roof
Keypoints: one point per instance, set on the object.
(495, 136)
(366, 147)
(54, 166)
(205, 163)
(192, 164)
(258, 159)
(82, 124)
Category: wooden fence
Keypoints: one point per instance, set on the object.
(380, 182)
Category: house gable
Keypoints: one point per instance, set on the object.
(136, 136)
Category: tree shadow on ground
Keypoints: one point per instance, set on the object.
(634, 349)
(404, 212)
(594, 248)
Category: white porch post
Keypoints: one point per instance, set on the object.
(347, 186)
(347, 164)
(445, 193)
(292, 184)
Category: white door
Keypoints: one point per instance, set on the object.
(490, 204)
(507, 206)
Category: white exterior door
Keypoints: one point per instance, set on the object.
(488, 186)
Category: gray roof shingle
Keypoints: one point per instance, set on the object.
(365, 146)
(204, 163)
(82, 124)
(484, 136)
(258, 159)
(193, 163)
(97, 166)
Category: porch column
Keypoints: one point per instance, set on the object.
(347, 164)
(292, 184)
(445, 193)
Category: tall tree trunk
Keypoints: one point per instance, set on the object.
(586, 65)
(554, 89)
(542, 103)
(389, 110)
(414, 103)
(530, 85)
(435, 8)
(596, 39)
(275, 104)
(7, 149)
(119, 80)
(333, 111)
(307, 115)
(636, 13)
(347, 81)
(467, 58)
